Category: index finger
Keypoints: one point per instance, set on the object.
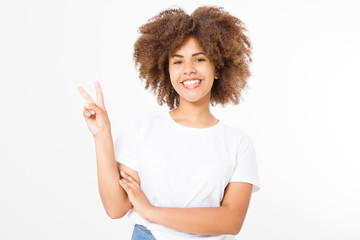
(85, 95)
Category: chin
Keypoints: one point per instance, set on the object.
(192, 100)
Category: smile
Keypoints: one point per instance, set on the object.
(191, 84)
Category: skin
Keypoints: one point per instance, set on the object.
(95, 113)
(136, 196)
(193, 109)
(99, 125)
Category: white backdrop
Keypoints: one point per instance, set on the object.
(301, 110)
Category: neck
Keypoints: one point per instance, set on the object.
(194, 111)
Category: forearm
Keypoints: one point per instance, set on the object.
(205, 220)
(112, 195)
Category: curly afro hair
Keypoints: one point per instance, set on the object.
(222, 38)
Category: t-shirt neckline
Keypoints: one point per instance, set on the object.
(180, 127)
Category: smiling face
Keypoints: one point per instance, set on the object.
(191, 72)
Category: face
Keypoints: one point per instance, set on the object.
(191, 72)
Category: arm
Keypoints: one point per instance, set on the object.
(226, 219)
(209, 220)
(205, 220)
(113, 197)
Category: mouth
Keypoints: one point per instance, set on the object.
(191, 83)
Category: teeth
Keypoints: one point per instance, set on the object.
(191, 82)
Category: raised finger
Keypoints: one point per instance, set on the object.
(99, 95)
(85, 95)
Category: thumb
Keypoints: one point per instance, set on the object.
(93, 108)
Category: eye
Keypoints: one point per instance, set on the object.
(177, 62)
(200, 59)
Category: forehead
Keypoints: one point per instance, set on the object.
(190, 45)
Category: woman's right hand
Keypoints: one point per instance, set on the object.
(95, 114)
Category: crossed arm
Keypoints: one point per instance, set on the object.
(226, 219)
(207, 220)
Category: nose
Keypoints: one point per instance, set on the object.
(189, 68)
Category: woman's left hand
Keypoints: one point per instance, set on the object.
(136, 196)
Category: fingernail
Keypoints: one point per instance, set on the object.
(88, 114)
(92, 112)
(122, 173)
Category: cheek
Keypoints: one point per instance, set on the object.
(174, 74)
(208, 71)
(173, 78)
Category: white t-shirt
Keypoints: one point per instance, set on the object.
(184, 167)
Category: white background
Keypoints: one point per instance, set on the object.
(301, 110)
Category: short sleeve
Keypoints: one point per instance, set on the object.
(126, 145)
(246, 169)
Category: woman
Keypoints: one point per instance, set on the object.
(183, 174)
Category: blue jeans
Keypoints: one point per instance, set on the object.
(141, 233)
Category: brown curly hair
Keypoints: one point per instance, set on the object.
(222, 38)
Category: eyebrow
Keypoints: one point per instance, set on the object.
(195, 54)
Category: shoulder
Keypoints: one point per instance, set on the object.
(131, 127)
(236, 133)
(142, 123)
(138, 122)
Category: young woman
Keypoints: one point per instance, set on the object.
(183, 174)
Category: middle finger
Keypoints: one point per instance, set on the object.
(99, 95)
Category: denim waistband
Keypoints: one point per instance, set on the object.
(142, 233)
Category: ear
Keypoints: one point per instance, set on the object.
(216, 75)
